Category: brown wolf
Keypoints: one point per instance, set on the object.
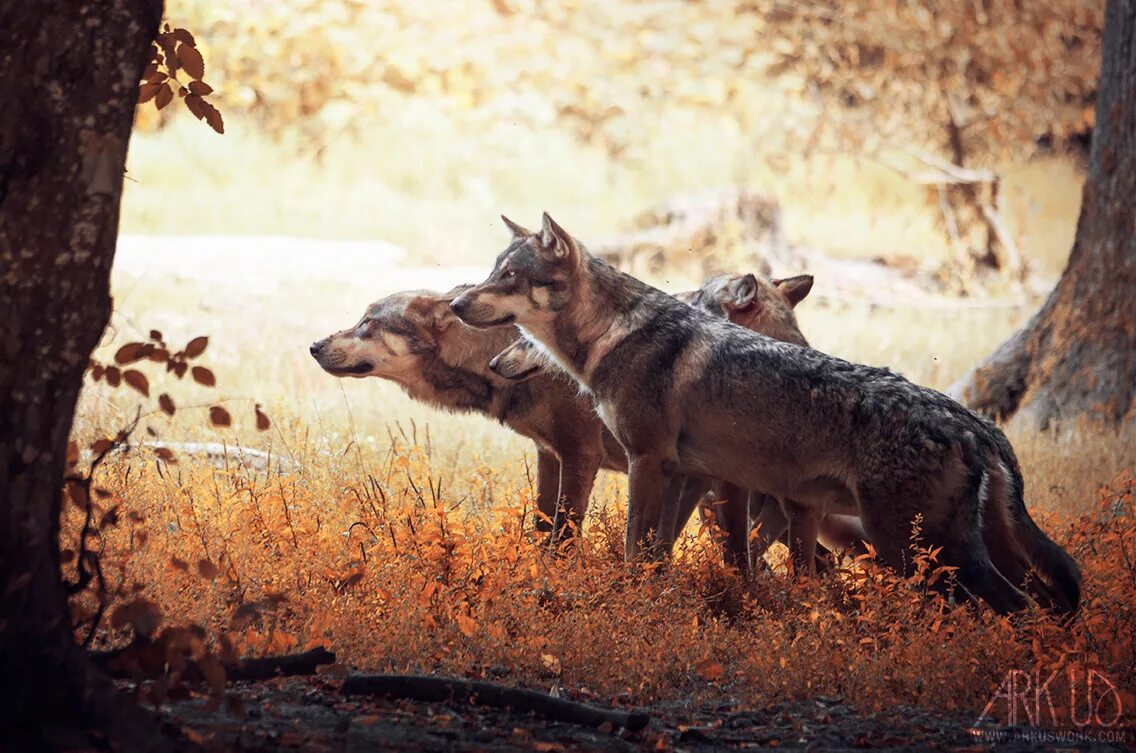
(687, 392)
(414, 340)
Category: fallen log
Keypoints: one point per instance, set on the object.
(420, 688)
(146, 658)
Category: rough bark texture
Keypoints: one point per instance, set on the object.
(69, 75)
(1077, 356)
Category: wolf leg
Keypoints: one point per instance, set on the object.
(770, 524)
(647, 484)
(577, 476)
(547, 489)
(693, 491)
(668, 527)
(733, 516)
(804, 524)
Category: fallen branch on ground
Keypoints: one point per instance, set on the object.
(418, 688)
(130, 661)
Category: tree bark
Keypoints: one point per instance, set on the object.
(1077, 355)
(69, 77)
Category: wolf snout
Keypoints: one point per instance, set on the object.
(495, 363)
(460, 306)
(317, 347)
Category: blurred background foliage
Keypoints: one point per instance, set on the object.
(419, 121)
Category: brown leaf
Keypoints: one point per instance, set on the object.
(219, 416)
(146, 92)
(183, 36)
(194, 103)
(166, 454)
(196, 347)
(191, 60)
(200, 88)
(113, 376)
(130, 353)
(262, 422)
(158, 355)
(164, 96)
(137, 380)
(166, 403)
(207, 569)
(213, 117)
(99, 446)
(155, 335)
(178, 564)
(204, 376)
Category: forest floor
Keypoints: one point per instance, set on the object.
(308, 714)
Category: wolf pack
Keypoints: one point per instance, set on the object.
(713, 394)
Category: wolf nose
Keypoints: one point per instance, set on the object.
(459, 305)
(315, 347)
(495, 363)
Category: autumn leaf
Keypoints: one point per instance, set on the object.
(262, 422)
(130, 353)
(166, 403)
(204, 376)
(183, 36)
(191, 60)
(213, 117)
(196, 346)
(200, 88)
(466, 624)
(218, 416)
(179, 564)
(146, 92)
(164, 95)
(165, 454)
(137, 380)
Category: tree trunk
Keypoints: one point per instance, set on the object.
(1077, 356)
(69, 77)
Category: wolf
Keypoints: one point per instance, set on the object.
(766, 307)
(687, 392)
(413, 339)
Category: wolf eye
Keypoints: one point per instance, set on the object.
(511, 273)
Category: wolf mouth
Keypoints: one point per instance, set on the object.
(363, 367)
(520, 375)
(507, 319)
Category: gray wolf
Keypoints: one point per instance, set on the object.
(686, 392)
(766, 307)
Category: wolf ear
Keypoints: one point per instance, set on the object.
(517, 230)
(555, 243)
(795, 288)
(431, 312)
(741, 292)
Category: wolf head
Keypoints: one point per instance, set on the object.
(764, 306)
(531, 280)
(392, 338)
(519, 361)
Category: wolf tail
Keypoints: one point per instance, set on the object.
(1019, 549)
